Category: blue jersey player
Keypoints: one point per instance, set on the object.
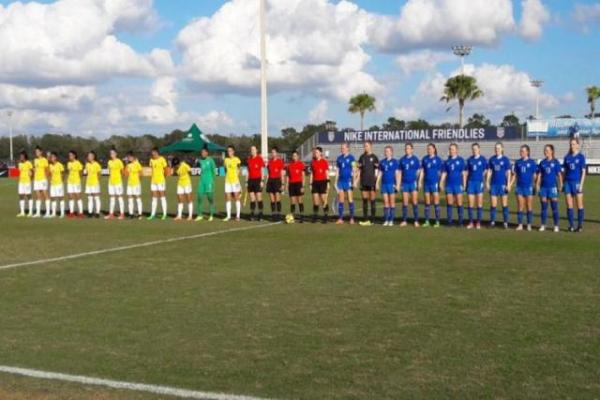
(574, 177)
(346, 175)
(476, 173)
(499, 175)
(431, 171)
(525, 170)
(548, 183)
(410, 166)
(453, 176)
(389, 180)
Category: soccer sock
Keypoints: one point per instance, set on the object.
(72, 206)
(571, 217)
(427, 210)
(62, 208)
(416, 213)
(386, 214)
(30, 206)
(112, 205)
(272, 207)
(54, 206)
(341, 210)
(461, 212)
(315, 210)
(252, 207)
(373, 208)
(301, 207)
(261, 207)
(293, 208)
(121, 205)
(520, 217)
(163, 204)
(404, 213)
(38, 207)
(80, 206)
(493, 214)
(505, 214)
(555, 214)
(179, 210)
(190, 209)
(365, 208)
(326, 210)
(154, 206)
(438, 212)
(238, 209)
(351, 207)
(449, 210)
(544, 212)
(228, 208)
(130, 205)
(470, 212)
(278, 207)
(392, 214)
(580, 217)
(211, 203)
(98, 204)
(479, 214)
(140, 206)
(200, 204)
(22, 206)
(529, 217)
(47, 207)
(90, 204)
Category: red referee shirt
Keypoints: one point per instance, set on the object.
(295, 170)
(275, 167)
(320, 170)
(255, 167)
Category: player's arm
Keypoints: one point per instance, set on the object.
(398, 179)
(583, 175)
(488, 178)
(538, 180)
(511, 180)
(443, 181)
(377, 181)
(419, 179)
(303, 180)
(560, 181)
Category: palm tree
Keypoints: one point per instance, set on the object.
(462, 88)
(593, 93)
(362, 103)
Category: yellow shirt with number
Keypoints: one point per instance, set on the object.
(25, 172)
(56, 171)
(92, 169)
(158, 166)
(115, 170)
(232, 165)
(40, 166)
(134, 169)
(183, 171)
(74, 168)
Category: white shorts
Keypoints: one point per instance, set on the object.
(24, 189)
(233, 187)
(184, 189)
(158, 187)
(40, 185)
(115, 190)
(74, 188)
(92, 189)
(134, 190)
(57, 190)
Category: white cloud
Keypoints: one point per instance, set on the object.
(315, 46)
(423, 60)
(406, 113)
(535, 15)
(318, 114)
(586, 14)
(442, 23)
(61, 98)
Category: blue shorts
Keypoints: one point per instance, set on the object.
(572, 188)
(549, 193)
(454, 189)
(498, 190)
(409, 187)
(344, 185)
(431, 188)
(388, 188)
(474, 188)
(525, 191)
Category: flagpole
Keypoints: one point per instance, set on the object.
(264, 124)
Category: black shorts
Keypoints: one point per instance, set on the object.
(368, 188)
(254, 185)
(296, 189)
(274, 185)
(320, 187)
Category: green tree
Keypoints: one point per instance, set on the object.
(478, 121)
(461, 88)
(593, 93)
(510, 120)
(418, 124)
(361, 104)
(394, 124)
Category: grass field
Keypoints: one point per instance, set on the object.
(301, 311)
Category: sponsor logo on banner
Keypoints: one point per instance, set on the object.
(500, 133)
(331, 136)
(4, 173)
(593, 169)
(564, 127)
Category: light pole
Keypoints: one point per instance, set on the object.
(462, 51)
(264, 124)
(10, 135)
(537, 84)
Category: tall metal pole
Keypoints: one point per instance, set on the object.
(264, 116)
(537, 84)
(10, 135)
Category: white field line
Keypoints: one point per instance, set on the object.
(133, 246)
(139, 387)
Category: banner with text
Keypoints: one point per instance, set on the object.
(420, 135)
(563, 127)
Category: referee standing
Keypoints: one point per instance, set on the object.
(368, 165)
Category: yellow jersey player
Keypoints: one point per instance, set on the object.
(134, 186)
(233, 187)
(184, 189)
(115, 185)
(57, 186)
(25, 174)
(75, 168)
(158, 184)
(93, 171)
(40, 183)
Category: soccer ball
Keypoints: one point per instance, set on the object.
(289, 219)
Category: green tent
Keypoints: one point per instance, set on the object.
(194, 141)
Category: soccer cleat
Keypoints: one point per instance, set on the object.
(352, 222)
(190, 218)
(163, 218)
(178, 218)
(21, 215)
(210, 219)
(122, 216)
(571, 229)
(470, 226)
(109, 216)
(226, 219)
(48, 216)
(416, 224)
(579, 229)
(529, 228)
(82, 216)
(403, 224)
(340, 222)
(151, 218)
(506, 225)
(492, 224)
(520, 227)
(199, 218)
(39, 216)
(437, 224)
(542, 228)
(365, 223)
(556, 229)
(238, 219)
(426, 224)
(478, 226)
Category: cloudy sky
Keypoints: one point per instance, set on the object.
(97, 67)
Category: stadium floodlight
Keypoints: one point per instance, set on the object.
(264, 124)
(462, 51)
(9, 114)
(537, 84)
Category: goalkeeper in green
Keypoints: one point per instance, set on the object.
(206, 188)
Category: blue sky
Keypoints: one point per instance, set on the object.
(141, 66)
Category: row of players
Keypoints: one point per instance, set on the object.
(407, 175)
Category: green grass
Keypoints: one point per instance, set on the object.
(303, 311)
